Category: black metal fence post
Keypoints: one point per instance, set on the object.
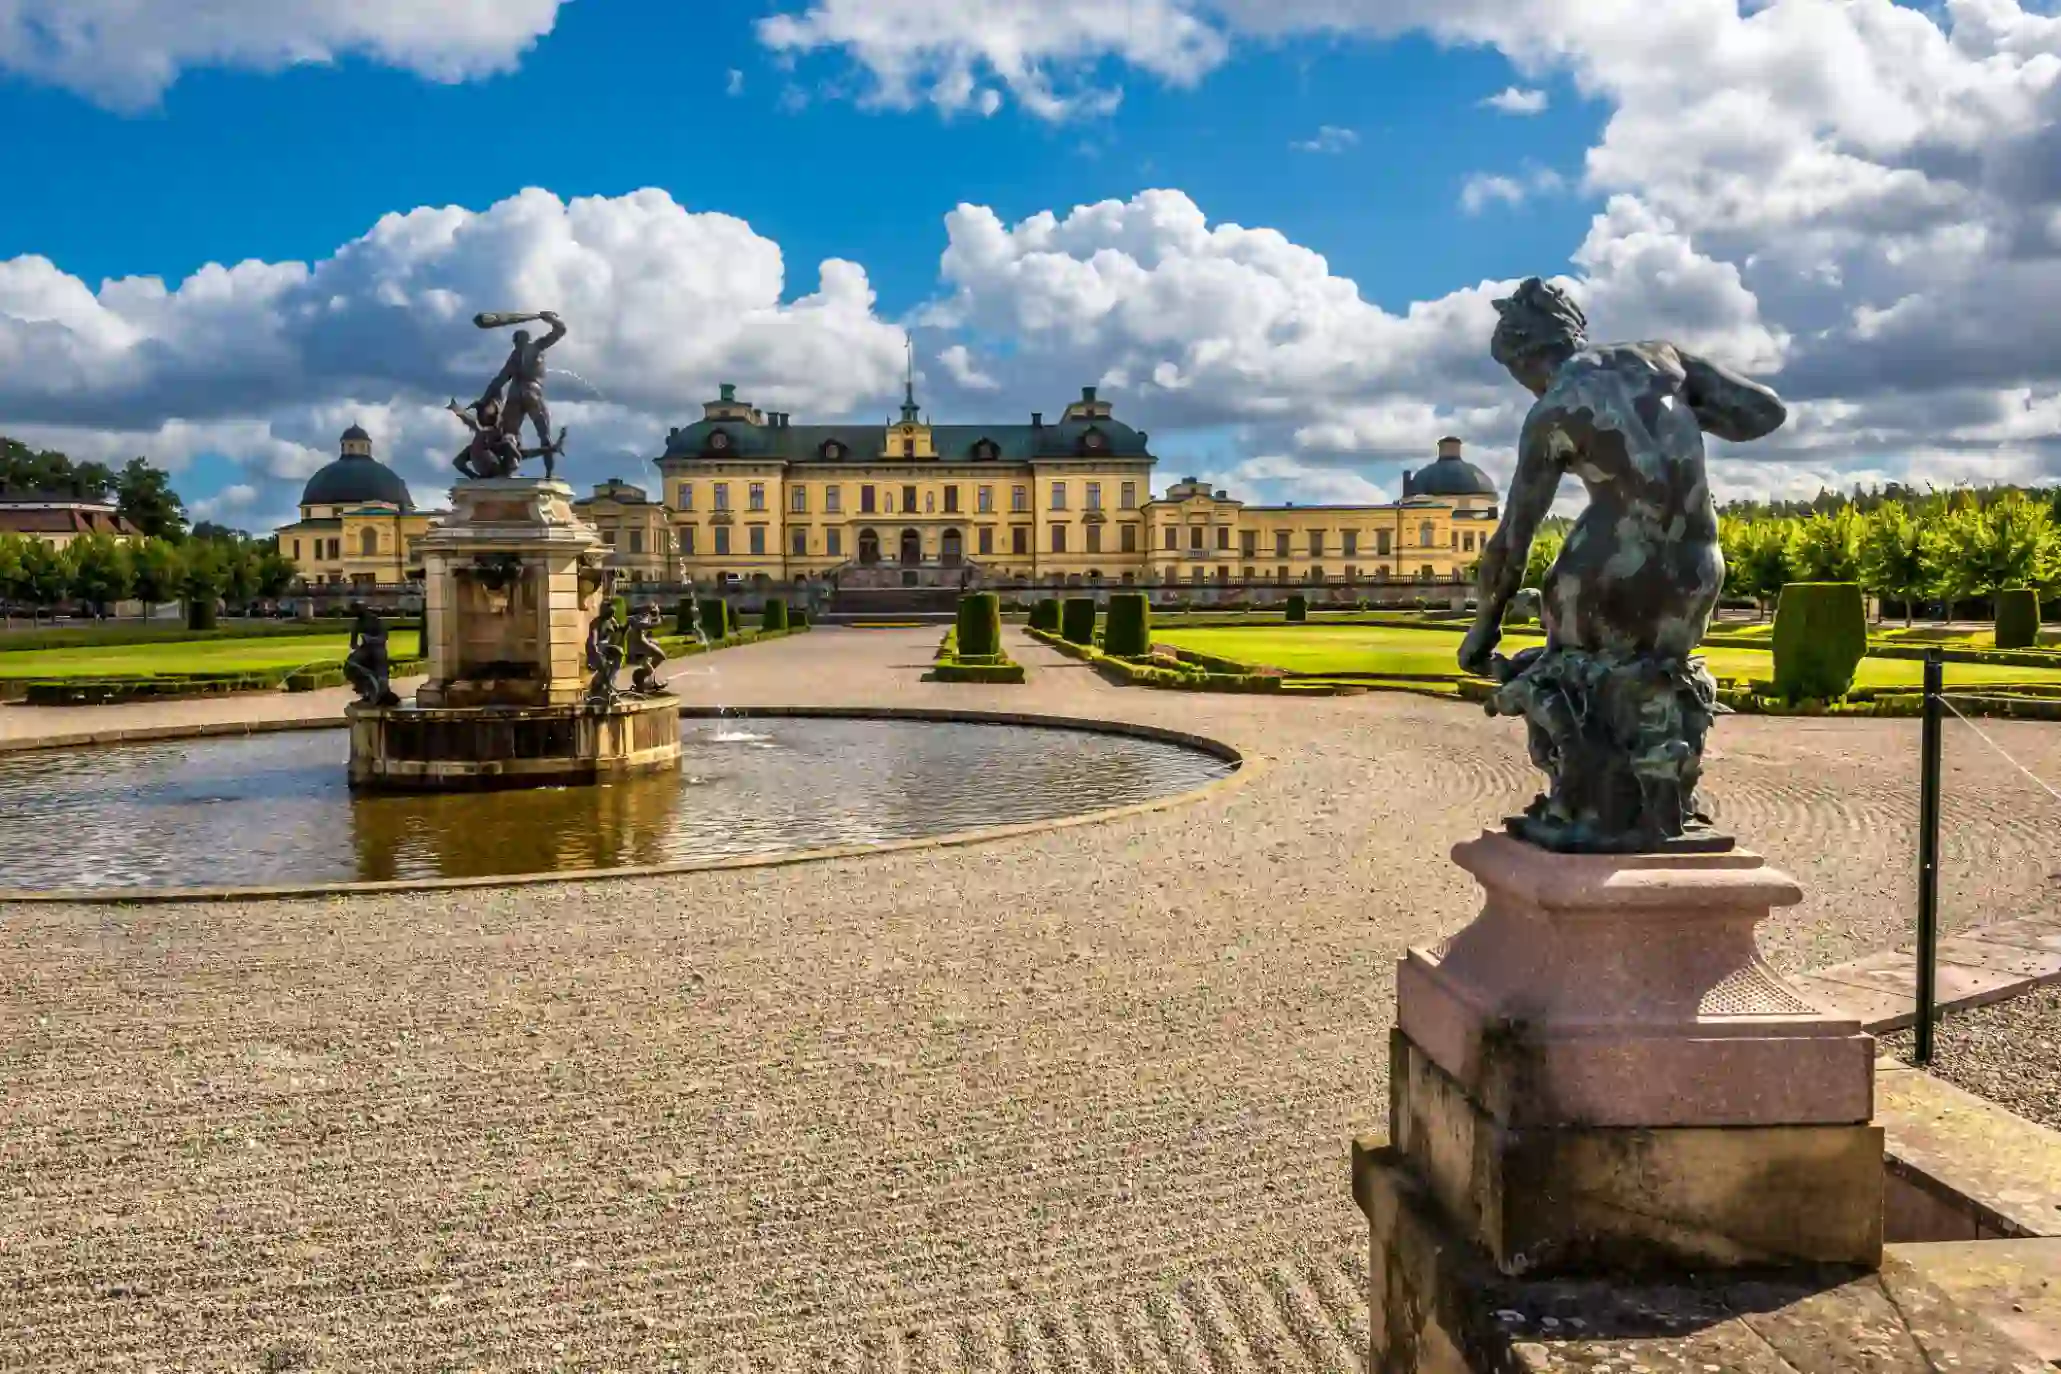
(1928, 854)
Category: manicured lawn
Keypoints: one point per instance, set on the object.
(204, 656)
(1385, 650)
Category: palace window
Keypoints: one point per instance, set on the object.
(368, 542)
(1094, 496)
(1059, 496)
(1127, 496)
(758, 541)
(909, 500)
(1280, 543)
(1281, 573)
(722, 541)
(335, 549)
(1352, 574)
(1224, 538)
(866, 500)
(296, 550)
(1195, 574)
(1248, 545)
(798, 499)
(687, 540)
(1019, 498)
(833, 502)
(1246, 573)
(908, 448)
(1352, 544)
(984, 500)
(1426, 533)
(987, 540)
(1094, 539)
(636, 541)
(1424, 573)
(929, 502)
(608, 538)
(1381, 542)
(1195, 537)
(1223, 572)
(833, 541)
(1173, 539)
(1316, 574)
(1059, 539)
(684, 499)
(801, 543)
(951, 500)
(722, 495)
(758, 496)
(1019, 540)
(1468, 542)
(1130, 538)
(1316, 543)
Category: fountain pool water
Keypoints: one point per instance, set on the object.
(276, 810)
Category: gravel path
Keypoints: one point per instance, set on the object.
(1078, 1100)
(2008, 1052)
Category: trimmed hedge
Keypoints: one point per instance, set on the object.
(980, 625)
(774, 614)
(1127, 633)
(953, 666)
(1821, 636)
(683, 617)
(1298, 607)
(108, 691)
(1077, 619)
(797, 618)
(715, 618)
(1044, 614)
(200, 613)
(2018, 618)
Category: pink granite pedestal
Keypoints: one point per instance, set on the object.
(1601, 1075)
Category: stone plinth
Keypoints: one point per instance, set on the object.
(1601, 1075)
(513, 580)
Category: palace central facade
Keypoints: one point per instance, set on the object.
(751, 494)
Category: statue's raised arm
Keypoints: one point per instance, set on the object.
(557, 330)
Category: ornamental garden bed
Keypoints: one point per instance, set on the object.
(952, 666)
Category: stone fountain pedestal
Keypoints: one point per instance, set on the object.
(511, 582)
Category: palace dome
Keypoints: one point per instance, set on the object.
(1450, 475)
(357, 478)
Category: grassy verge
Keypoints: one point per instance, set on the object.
(114, 634)
(951, 666)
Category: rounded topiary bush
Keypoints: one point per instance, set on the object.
(1821, 635)
(1077, 620)
(2018, 618)
(774, 615)
(1298, 607)
(980, 625)
(1128, 631)
(200, 613)
(715, 618)
(1044, 615)
(683, 618)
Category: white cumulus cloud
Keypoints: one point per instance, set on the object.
(1517, 100)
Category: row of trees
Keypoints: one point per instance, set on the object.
(99, 571)
(1943, 547)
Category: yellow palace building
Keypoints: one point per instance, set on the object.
(752, 495)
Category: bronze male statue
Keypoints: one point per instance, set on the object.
(641, 650)
(604, 654)
(367, 667)
(523, 374)
(1617, 707)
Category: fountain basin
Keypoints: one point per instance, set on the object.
(477, 748)
(270, 814)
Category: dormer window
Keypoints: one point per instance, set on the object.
(718, 442)
(985, 451)
(1094, 441)
(832, 451)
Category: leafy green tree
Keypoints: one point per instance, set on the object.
(13, 585)
(1896, 564)
(144, 497)
(46, 573)
(100, 571)
(239, 572)
(1765, 565)
(1825, 547)
(1545, 547)
(1980, 550)
(26, 469)
(158, 571)
(204, 571)
(275, 571)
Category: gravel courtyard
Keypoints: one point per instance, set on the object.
(1073, 1100)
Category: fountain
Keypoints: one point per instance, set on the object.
(521, 638)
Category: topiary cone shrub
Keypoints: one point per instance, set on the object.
(2018, 618)
(774, 614)
(1298, 607)
(715, 618)
(1077, 620)
(980, 625)
(1821, 635)
(683, 618)
(1044, 615)
(200, 613)
(1128, 631)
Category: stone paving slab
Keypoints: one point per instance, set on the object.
(2015, 1285)
(2006, 1169)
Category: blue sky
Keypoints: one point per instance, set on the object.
(1722, 176)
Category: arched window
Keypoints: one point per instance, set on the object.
(869, 546)
(368, 542)
(1426, 532)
